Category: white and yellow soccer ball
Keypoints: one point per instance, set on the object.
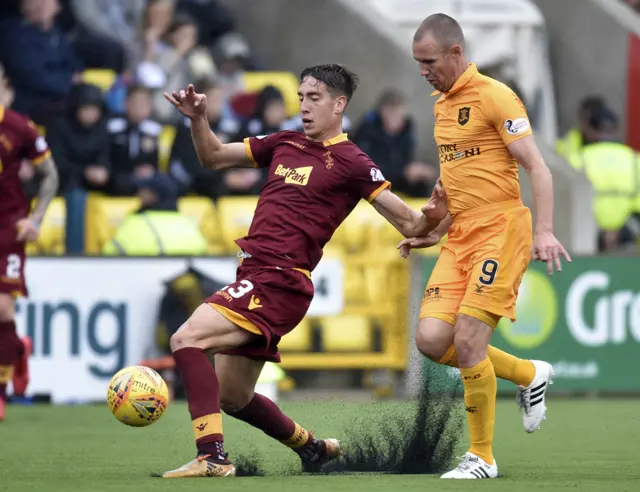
(137, 396)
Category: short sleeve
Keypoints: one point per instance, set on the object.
(36, 148)
(260, 149)
(368, 180)
(507, 114)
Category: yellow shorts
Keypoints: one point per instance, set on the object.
(480, 267)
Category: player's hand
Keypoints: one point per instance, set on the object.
(438, 206)
(406, 245)
(28, 230)
(547, 248)
(189, 103)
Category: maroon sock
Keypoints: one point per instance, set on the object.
(265, 415)
(11, 347)
(203, 394)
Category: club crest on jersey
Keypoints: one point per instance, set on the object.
(298, 176)
(463, 116)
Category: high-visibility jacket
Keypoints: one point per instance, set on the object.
(614, 172)
(157, 233)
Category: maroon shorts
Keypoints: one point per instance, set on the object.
(12, 269)
(268, 301)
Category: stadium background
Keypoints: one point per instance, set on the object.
(90, 315)
(350, 369)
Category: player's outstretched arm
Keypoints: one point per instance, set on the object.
(28, 227)
(212, 153)
(406, 220)
(434, 237)
(545, 245)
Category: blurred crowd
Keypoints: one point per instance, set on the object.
(107, 139)
(595, 147)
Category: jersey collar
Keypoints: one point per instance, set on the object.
(463, 80)
(336, 140)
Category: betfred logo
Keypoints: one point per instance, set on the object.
(298, 176)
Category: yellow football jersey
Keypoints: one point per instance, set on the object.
(475, 122)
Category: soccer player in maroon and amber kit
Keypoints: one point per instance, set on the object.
(315, 181)
(19, 140)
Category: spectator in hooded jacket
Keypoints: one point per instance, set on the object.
(38, 59)
(184, 165)
(133, 139)
(386, 134)
(270, 115)
(157, 228)
(79, 141)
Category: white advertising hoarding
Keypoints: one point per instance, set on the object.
(89, 317)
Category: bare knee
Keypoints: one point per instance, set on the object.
(471, 340)
(433, 338)
(7, 307)
(183, 338)
(237, 377)
(232, 400)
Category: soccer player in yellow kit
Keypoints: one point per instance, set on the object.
(483, 132)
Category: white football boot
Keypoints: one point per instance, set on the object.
(532, 398)
(471, 467)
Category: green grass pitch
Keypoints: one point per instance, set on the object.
(585, 445)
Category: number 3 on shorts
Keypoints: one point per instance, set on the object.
(489, 270)
(244, 287)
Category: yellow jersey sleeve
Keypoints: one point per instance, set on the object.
(506, 113)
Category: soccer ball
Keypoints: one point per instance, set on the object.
(137, 396)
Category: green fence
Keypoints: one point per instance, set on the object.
(584, 320)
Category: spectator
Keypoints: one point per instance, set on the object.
(270, 115)
(575, 139)
(39, 60)
(180, 61)
(133, 140)
(231, 56)
(106, 28)
(614, 171)
(214, 19)
(155, 24)
(184, 166)
(79, 141)
(157, 228)
(386, 135)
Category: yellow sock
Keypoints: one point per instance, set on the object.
(480, 387)
(511, 368)
(506, 366)
(6, 373)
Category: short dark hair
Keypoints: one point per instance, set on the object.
(445, 30)
(135, 88)
(592, 103)
(337, 78)
(391, 98)
(205, 84)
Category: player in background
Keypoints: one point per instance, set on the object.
(19, 140)
(315, 180)
(482, 132)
